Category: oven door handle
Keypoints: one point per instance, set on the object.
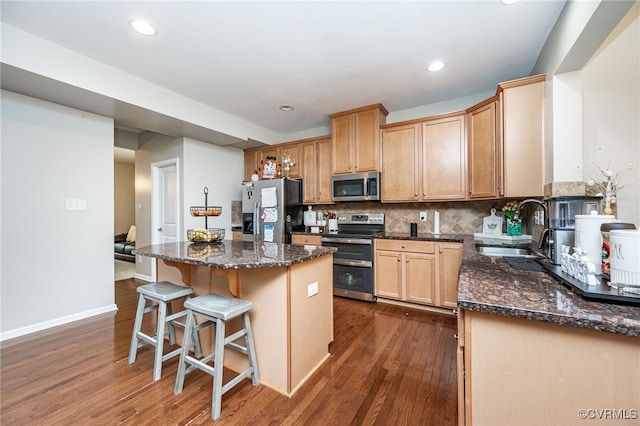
(360, 263)
(360, 241)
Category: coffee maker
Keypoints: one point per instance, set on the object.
(562, 213)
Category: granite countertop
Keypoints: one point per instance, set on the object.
(444, 238)
(491, 285)
(228, 254)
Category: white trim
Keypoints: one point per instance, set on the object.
(146, 278)
(155, 197)
(56, 322)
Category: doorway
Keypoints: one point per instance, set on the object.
(165, 205)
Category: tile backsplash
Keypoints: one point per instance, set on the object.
(459, 218)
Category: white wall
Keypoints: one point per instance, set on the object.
(611, 114)
(220, 169)
(56, 265)
(152, 148)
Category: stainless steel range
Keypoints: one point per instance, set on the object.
(353, 262)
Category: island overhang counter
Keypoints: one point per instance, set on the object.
(291, 290)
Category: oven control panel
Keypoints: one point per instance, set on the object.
(361, 218)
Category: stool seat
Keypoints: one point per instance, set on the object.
(216, 310)
(165, 291)
(218, 306)
(160, 295)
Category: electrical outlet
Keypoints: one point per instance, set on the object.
(312, 289)
(423, 216)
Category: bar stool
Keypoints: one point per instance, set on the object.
(160, 294)
(217, 310)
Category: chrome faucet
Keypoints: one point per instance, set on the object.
(546, 233)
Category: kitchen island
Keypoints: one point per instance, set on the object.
(291, 289)
(532, 351)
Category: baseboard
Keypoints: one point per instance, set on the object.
(146, 278)
(56, 322)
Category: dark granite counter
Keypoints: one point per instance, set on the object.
(491, 285)
(442, 238)
(228, 254)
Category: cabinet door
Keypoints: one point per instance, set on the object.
(295, 153)
(444, 159)
(323, 165)
(483, 152)
(523, 144)
(251, 164)
(309, 173)
(400, 163)
(388, 274)
(366, 141)
(450, 259)
(342, 141)
(420, 278)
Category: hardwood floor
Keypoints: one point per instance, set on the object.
(388, 366)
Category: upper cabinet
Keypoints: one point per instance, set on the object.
(424, 160)
(522, 103)
(316, 171)
(253, 158)
(484, 168)
(355, 139)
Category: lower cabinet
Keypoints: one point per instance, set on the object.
(421, 272)
(306, 240)
(514, 371)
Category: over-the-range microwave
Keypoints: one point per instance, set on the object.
(356, 187)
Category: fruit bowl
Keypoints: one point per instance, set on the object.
(201, 235)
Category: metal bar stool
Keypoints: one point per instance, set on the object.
(161, 294)
(217, 310)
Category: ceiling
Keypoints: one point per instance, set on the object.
(248, 58)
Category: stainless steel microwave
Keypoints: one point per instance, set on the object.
(356, 187)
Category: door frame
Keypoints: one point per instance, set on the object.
(155, 203)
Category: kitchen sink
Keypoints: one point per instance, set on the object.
(506, 251)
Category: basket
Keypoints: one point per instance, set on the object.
(201, 235)
(206, 211)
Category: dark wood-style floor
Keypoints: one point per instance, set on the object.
(388, 366)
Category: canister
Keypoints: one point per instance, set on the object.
(625, 257)
(309, 217)
(588, 236)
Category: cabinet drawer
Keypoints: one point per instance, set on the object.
(406, 245)
(310, 240)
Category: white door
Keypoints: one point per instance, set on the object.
(165, 204)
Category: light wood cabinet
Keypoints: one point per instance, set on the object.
(522, 104)
(449, 261)
(484, 166)
(316, 171)
(517, 371)
(306, 240)
(253, 158)
(424, 160)
(421, 272)
(355, 139)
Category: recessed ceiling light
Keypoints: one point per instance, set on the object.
(143, 27)
(508, 2)
(435, 66)
(286, 108)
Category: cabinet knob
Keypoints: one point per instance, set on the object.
(415, 194)
(403, 247)
(455, 336)
(440, 251)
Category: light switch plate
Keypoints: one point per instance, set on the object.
(312, 289)
(75, 204)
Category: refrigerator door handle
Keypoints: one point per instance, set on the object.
(256, 218)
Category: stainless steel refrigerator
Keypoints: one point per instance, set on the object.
(271, 210)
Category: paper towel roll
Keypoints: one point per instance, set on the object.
(588, 236)
(436, 222)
